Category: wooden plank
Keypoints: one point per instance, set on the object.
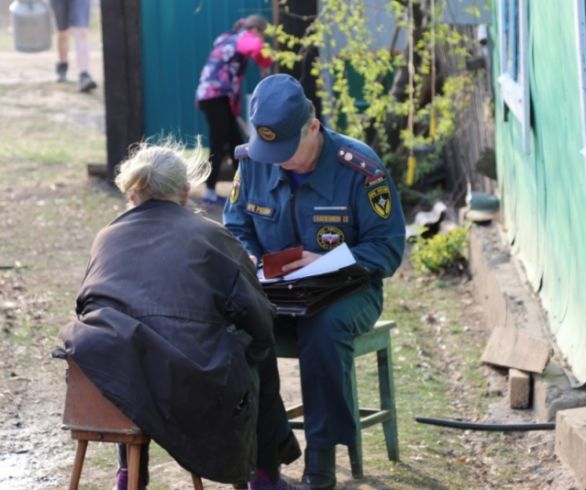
(85, 435)
(122, 78)
(294, 412)
(97, 170)
(295, 16)
(508, 347)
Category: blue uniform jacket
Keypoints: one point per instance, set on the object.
(349, 198)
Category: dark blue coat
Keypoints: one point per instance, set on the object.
(349, 198)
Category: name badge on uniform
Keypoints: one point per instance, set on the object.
(260, 210)
(330, 214)
(331, 218)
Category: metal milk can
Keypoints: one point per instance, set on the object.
(31, 25)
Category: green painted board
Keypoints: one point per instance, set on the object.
(176, 37)
(544, 191)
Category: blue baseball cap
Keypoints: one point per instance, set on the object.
(278, 111)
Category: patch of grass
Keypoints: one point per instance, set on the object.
(41, 157)
(425, 357)
(6, 39)
(23, 327)
(100, 465)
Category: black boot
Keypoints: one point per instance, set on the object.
(61, 70)
(86, 84)
(320, 469)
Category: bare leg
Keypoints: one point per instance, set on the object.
(82, 47)
(62, 45)
(62, 52)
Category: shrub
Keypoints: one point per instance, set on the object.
(442, 253)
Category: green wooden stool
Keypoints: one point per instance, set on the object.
(376, 340)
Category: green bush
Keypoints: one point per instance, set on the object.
(442, 253)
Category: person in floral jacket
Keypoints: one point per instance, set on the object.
(218, 93)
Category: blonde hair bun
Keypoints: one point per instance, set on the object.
(163, 170)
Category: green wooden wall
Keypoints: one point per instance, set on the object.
(544, 191)
(176, 37)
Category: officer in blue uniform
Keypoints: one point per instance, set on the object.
(299, 183)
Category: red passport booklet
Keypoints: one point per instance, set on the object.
(272, 263)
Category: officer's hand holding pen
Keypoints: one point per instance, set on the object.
(306, 258)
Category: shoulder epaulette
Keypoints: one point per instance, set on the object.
(359, 162)
(241, 152)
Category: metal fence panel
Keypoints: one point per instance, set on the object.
(176, 37)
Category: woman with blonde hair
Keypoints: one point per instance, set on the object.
(174, 328)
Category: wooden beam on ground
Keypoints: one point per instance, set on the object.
(97, 170)
(508, 347)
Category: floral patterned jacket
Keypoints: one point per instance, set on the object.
(226, 64)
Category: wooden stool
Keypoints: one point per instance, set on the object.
(376, 340)
(92, 417)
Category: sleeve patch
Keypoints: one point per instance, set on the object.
(381, 201)
(235, 192)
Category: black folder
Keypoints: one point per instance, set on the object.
(307, 296)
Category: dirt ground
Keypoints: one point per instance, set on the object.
(49, 213)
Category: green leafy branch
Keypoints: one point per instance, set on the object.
(378, 113)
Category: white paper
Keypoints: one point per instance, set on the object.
(332, 261)
(260, 273)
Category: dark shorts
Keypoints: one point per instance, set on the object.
(71, 13)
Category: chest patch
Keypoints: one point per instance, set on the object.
(260, 210)
(329, 237)
(381, 201)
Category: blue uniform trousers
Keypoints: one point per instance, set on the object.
(325, 360)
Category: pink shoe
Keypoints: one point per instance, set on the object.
(122, 481)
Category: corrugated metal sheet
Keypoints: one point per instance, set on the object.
(177, 36)
(544, 191)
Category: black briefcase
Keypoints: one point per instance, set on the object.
(307, 296)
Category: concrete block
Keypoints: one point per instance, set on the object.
(570, 441)
(552, 392)
(519, 389)
(506, 299)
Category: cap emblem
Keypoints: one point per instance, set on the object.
(266, 133)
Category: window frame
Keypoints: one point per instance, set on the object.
(580, 15)
(515, 92)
